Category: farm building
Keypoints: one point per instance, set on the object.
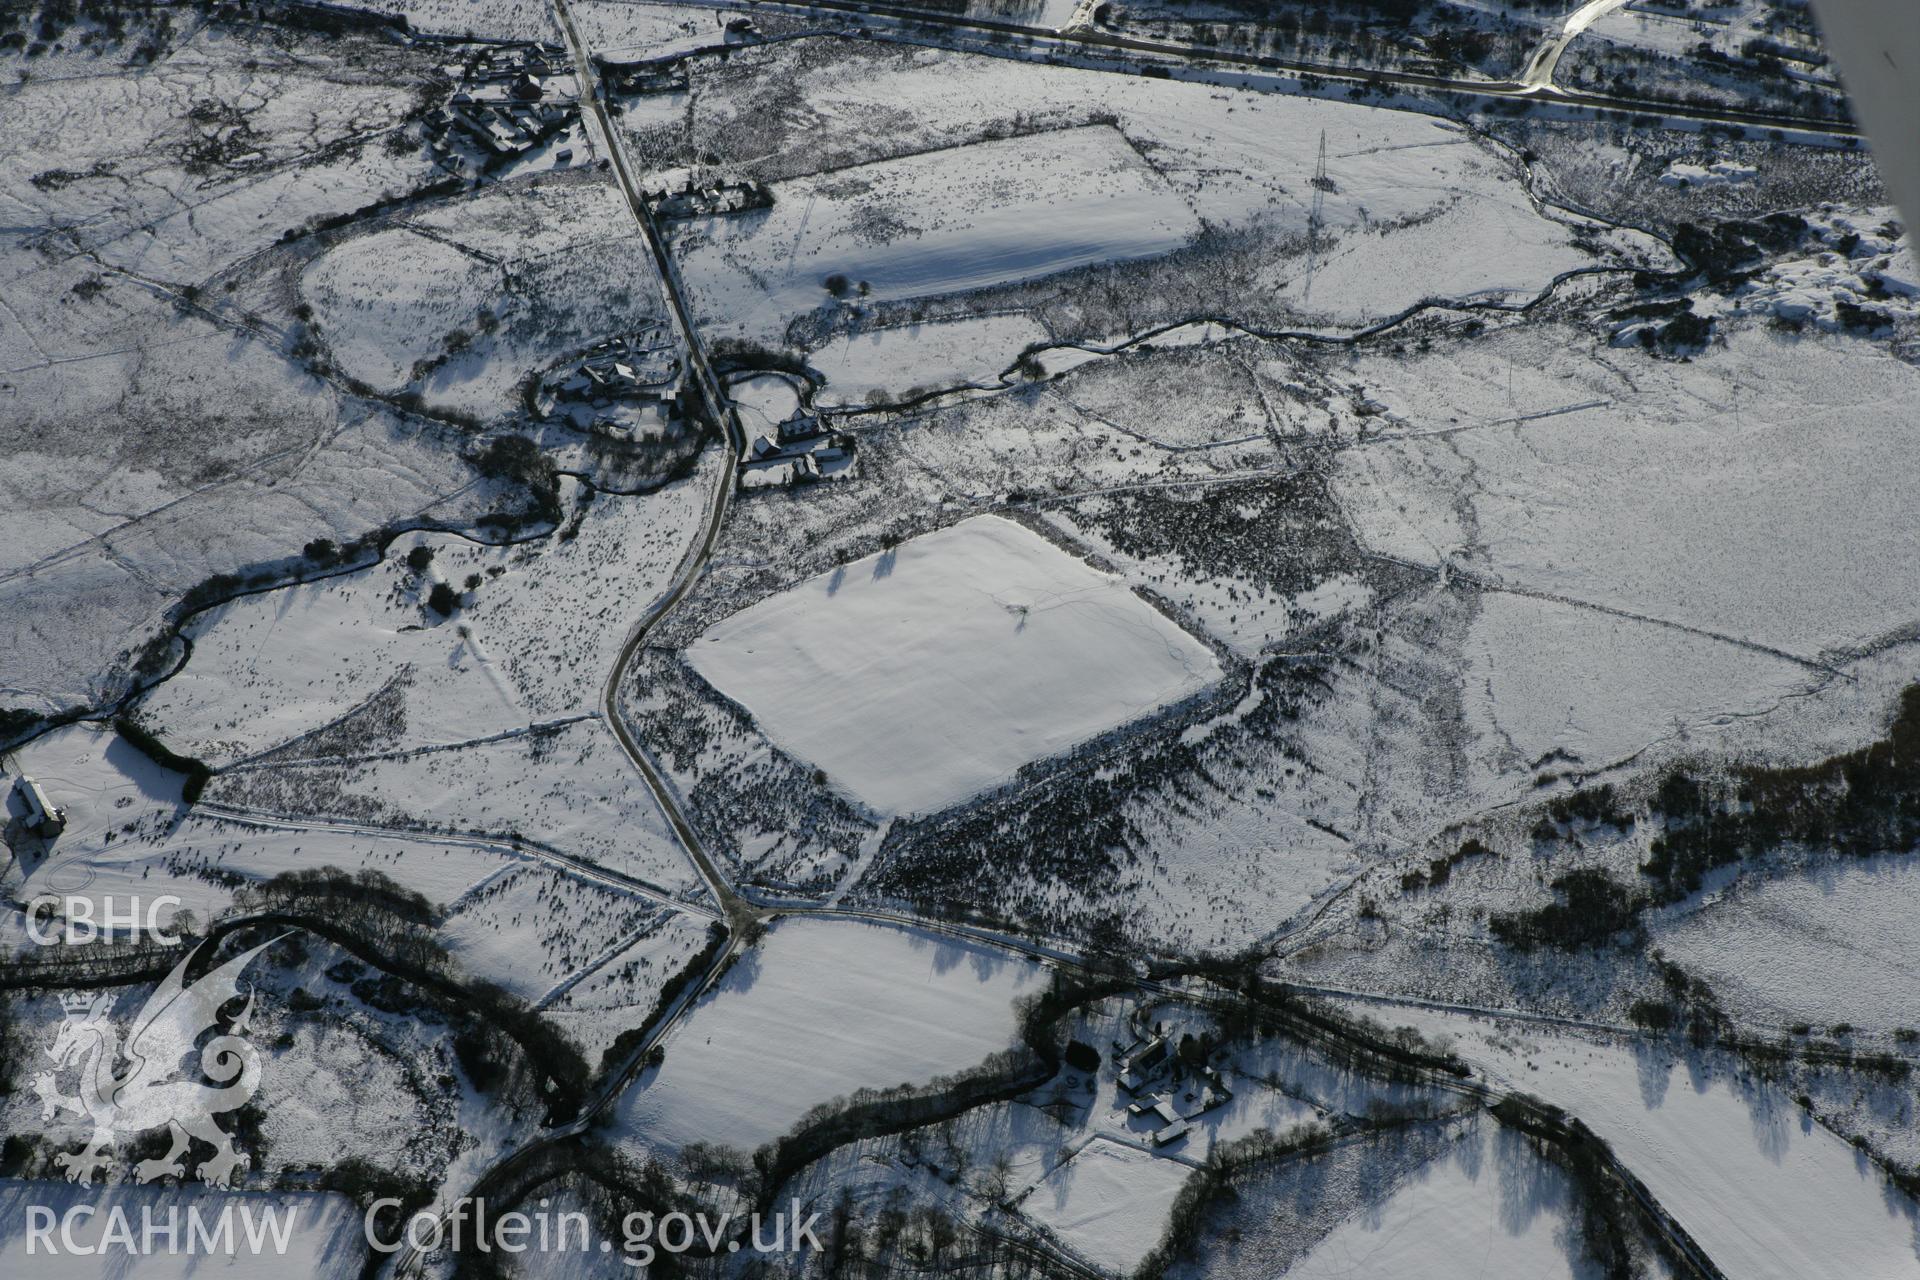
(1172, 1133)
(44, 817)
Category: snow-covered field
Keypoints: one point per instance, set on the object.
(106, 552)
(100, 779)
(533, 639)
(535, 930)
(1828, 944)
(1139, 634)
(569, 788)
(269, 668)
(1488, 1207)
(1767, 1193)
(127, 835)
(991, 213)
(764, 400)
(1543, 676)
(622, 30)
(1019, 444)
(1109, 1203)
(155, 429)
(819, 1009)
(890, 362)
(481, 19)
(392, 297)
(530, 928)
(273, 125)
(598, 1003)
(195, 861)
(925, 674)
(467, 297)
(1708, 494)
(1412, 207)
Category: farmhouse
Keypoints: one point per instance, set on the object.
(506, 102)
(839, 445)
(506, 64)
(1140, 1063)
(799, 450)
(44, 818)
(699, 199)
(642, 77)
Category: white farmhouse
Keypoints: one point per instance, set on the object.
(44, 817)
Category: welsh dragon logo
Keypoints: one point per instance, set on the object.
(147, 1083)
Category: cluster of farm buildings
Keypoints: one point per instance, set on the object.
(803, 449)
(1166, 1085)
(507, 100)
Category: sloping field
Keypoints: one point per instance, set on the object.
(388, 299)
(1837, 944)
(921, 676)
(179, 222)
(1767, 1193)
(819, 1009)
(481, 290)
(1687, 492)
(1545, 676)
(964, 218)
(1490, 1207)
(128, 833)
(886, 361)
(568, 782)
(533, 640)
(1411, 207)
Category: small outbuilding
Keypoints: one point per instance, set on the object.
(1172, 1133)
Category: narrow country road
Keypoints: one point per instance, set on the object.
(719, 413)
(716, 412)
(523, 851)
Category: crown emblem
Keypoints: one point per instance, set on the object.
(76, 1003)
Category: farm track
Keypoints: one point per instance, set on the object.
(719, 415)
(520, 850)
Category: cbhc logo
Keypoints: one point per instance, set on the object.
(77, 920)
